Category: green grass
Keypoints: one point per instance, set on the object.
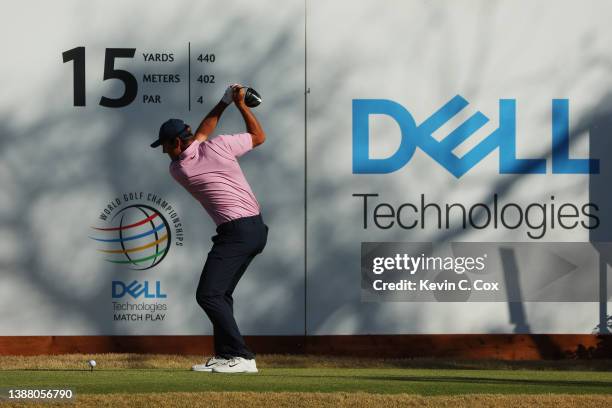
(371, 380)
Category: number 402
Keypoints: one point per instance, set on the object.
(110, 72)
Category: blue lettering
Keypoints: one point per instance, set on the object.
(504, 138)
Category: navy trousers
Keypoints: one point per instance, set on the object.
(236, 244)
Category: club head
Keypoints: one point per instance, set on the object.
(252, 98)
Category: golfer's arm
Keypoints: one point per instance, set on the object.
(252, 124)
(209, 123)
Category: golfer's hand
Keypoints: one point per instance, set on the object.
(238, 95)
(228, 96)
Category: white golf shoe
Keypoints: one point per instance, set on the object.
(209, 364)
(236, 365)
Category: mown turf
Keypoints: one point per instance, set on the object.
(374, 380)
(320, 400)
(146, 361)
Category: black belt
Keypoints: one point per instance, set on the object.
(238, 223)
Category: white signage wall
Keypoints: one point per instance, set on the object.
(435, 129)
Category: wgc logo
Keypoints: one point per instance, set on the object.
(138, 236)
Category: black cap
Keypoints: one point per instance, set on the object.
(170, 129)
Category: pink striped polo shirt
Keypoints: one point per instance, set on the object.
(210, 171)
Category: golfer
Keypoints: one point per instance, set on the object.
(209, 170)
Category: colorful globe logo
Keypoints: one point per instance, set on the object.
(139, 237)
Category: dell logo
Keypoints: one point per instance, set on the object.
(504, 138)
(136, 290)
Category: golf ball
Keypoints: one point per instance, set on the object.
(92, 363)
